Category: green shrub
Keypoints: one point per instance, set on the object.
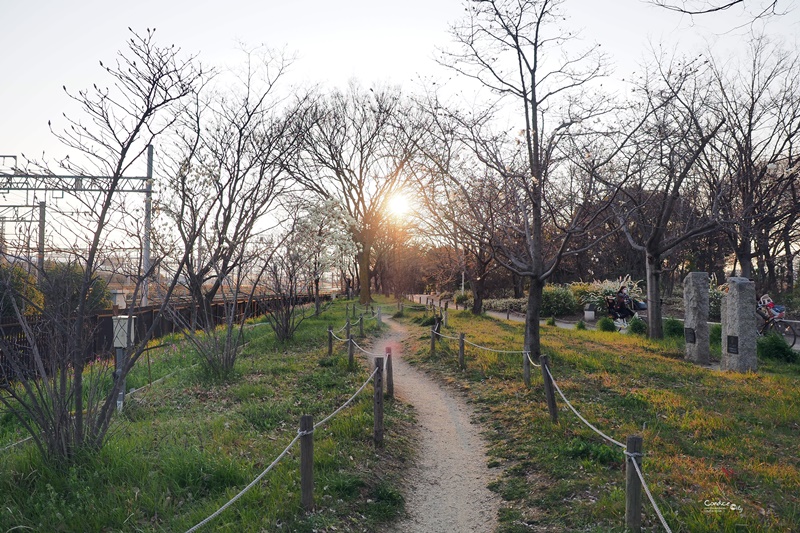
(774, 346)
(673, 327)
(551, 321)
(462, 298)
(597, 291)
(581, 325)
(715, 333)
(558, 301)
(638, 326)
(715, 295)
(519, 305)
(606, 324)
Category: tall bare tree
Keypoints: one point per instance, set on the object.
(755, 155)
(520, 51)
(355, 152)
(66, 408)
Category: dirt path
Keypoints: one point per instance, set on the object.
(446, 488)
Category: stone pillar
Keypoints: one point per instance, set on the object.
(695, 326)
(739, 327)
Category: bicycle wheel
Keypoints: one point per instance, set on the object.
(786, 330)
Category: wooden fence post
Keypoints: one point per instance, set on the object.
(548, 388)
(346, 311)
(508, 313)
(433, 341)
(461, 364)
(633, 485)
(347, 328)
(351, 348)
(377, 407)
(389, 373)
(307, 462)
(330, 341)
(361, 325)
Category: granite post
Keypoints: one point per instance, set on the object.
(695, 326)
(739, 327)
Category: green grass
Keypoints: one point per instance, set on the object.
(186, 444)
(708, 436)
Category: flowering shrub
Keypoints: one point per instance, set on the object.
(597, 291)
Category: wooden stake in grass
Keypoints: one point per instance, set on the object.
(351, 348)
(433, 341)
(377, 406)
(307, 462)
(461, 363)
(361, 325)
(389, 374)
(633, 485)
(330, 341)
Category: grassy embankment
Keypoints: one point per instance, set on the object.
(708, 436)
(184, 446)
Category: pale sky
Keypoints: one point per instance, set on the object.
(45, 44)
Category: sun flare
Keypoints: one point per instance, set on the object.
(399, 205)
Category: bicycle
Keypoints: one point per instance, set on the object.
(772, 316)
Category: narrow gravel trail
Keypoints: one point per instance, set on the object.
(446, 488)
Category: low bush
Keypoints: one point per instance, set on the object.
(673, 327)
(558, 301)
(606, 324)
(715, 334)
(774, 346)
(637, 326)
(581, 325)
(551, 321)
(504, 304)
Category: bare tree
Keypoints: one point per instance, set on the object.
(754, 9)
(665, 166)
(227, 176)
(356, 153)
(517, 50)
(64, 401)
(755, 154)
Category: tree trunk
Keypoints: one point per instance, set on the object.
(364, 296)
(317, 301)
(532, 318)
(478, 292)
(653, 273)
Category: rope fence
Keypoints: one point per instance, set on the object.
(301, 433)
(632, 450)
(633, 457)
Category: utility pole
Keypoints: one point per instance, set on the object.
(23, 181)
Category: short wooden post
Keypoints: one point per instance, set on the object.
(461, 364)
(361, 325)
(420, 299)
(548, 388)
(351, 348)
(307, 462)
(389, 373)
(508, 313)
(330, 341)
(347, 311)
(347, 329)
(433, 341)
(377, 407)
(633, 485)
